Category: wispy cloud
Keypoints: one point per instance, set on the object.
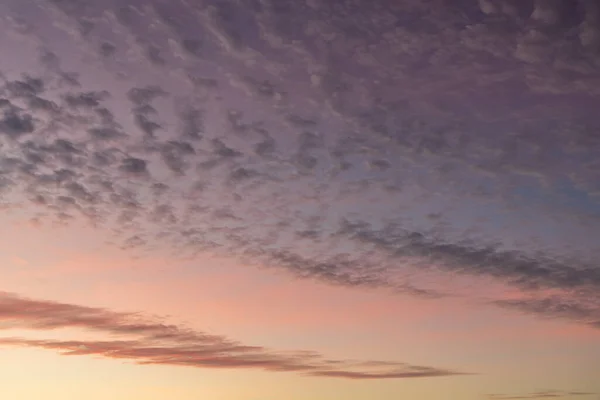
(145, 340)
(545, 394)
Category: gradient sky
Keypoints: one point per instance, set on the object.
(277, 199)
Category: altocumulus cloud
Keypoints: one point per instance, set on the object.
(149, 341)
(266, 143)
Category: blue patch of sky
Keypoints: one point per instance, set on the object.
(564, 195)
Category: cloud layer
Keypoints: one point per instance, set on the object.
(339, 142)
(144, 340)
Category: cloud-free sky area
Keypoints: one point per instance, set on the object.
(300, 200)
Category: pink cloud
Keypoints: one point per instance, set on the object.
(152, 341)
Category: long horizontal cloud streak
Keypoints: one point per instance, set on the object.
(585, 312)
(517, 268)
(547, 394)
(164, 344)
(480, 170)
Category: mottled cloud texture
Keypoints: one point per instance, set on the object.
(144, 340)
(338, 141)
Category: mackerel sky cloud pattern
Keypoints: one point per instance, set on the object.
(424, 148)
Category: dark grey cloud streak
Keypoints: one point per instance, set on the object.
(144, 340)
(367, 144)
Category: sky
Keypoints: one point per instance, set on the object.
(277, 199)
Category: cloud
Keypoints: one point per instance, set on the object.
(16, 123)
(583, 308)
(28, 87)
(147, 340)
(107, 49)
(143, 111)
(519, 269)
(546, 394)
(105, 133)
(86, 99)
(223, 151)
(192, 122)
(547, 12)
(145, 95)
(343, 144)
(154, 55)
(134, 166)
(175, 154)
